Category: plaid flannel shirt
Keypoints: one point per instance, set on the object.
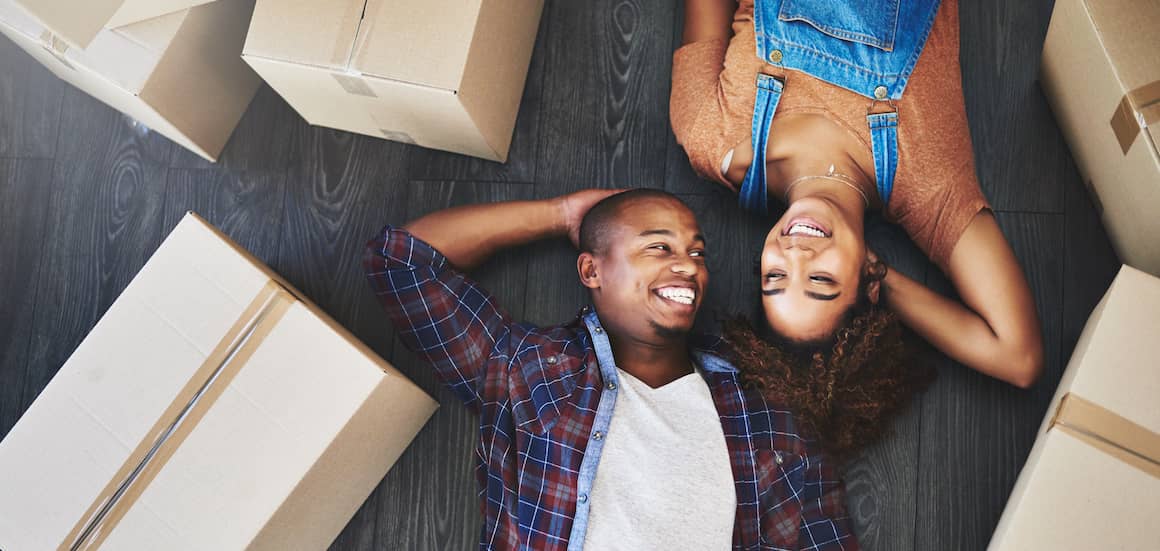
(544, 395)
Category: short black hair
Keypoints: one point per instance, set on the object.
(599, 219)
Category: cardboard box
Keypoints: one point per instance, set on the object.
(179, 74)
(443, 74)
(1101, 74)
(1092, 480)
(259, 422)
(78, 22)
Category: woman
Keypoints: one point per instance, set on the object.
(850, 106)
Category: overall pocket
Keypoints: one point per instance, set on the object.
(873, 23)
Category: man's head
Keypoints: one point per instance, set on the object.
(642, 256)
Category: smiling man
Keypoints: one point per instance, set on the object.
(613, 431)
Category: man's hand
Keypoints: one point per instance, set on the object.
(574, 206)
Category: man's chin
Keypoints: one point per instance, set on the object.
(669, 332)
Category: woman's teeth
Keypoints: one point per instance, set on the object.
(803, 229)
(682, 295)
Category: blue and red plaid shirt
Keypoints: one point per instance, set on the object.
(545, 396)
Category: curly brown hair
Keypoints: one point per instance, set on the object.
(844, 390)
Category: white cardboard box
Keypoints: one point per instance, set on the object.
(297, 425)
(179, 74)
(79, 21)
(1092, 480)
(444, 74)
(1101, 74)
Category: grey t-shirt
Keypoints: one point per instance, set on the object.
(664, 480)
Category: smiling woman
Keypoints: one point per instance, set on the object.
(848, 107)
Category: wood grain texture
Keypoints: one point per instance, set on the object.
(604, 118)
(246, 206)
(977, 431)
(1089, 265)
(30, 99)
(104, 220)
(25, 186)
(1019, 151)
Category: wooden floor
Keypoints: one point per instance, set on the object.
(85, 197)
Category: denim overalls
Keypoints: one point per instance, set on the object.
(869, 47)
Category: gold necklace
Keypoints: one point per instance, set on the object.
(829, 175)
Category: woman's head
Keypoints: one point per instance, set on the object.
(814, 271)
(844, 391)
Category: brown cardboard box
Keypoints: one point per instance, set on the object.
(1101, 73)
(443, 74)
(1092, 480)
(77, 22)
(280, 423)
(179, 74)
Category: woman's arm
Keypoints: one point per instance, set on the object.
(708, 20)
(995, 330)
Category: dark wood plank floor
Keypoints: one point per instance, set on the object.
(85, 197)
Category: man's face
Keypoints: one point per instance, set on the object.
(651, 272)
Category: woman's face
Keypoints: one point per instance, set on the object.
(811, 266)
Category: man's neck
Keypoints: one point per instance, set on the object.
(656, 365)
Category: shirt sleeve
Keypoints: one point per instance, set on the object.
(448, 320)
(825, 524)
(697, 70)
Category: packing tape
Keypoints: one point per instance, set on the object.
(1108, 432)
(1137, 109)
(179, 419)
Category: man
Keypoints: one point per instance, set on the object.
(612, 431)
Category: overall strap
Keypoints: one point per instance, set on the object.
(884, 139)
(754, 195)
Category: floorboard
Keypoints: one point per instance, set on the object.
(30, 99)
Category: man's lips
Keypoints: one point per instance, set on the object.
(678, 294)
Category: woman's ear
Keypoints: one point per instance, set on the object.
(586, 267)
(873, 290)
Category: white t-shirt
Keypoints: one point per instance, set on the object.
(664, 480)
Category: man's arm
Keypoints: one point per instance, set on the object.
(825, 526)
(471, 234)
(446, 318)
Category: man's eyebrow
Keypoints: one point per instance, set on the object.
(669, 233)
(771, 292)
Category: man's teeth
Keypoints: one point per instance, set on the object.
(802, 229)
(682, 295)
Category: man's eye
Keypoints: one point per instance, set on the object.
(773, 276)
(821, 279)
(659, 247)
(698, 254)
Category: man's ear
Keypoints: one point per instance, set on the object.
(586, 267)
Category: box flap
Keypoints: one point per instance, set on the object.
(136, 11)
(1130, 33)
(76, 22)
(312, 32)
(423, 43)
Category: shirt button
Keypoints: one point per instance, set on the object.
(598, 329)
(583, 498)
(777, 458)
(611, 385)
(598, 436)
(552, 360)
(880, 92)
(775, 56)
